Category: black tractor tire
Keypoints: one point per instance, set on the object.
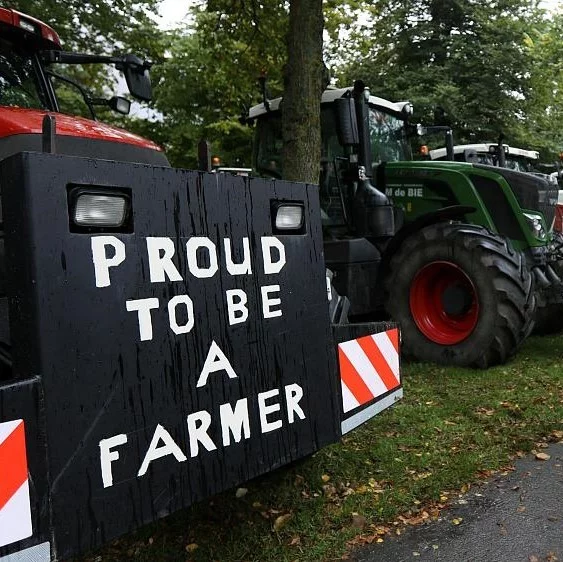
(463, 296)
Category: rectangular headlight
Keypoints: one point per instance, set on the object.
(98, 210)
(289, 217)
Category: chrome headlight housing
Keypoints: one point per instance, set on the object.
(537, 225)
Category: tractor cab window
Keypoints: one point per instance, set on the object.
(482, 158)
(70, 97)
(268, 153)
(19, 78)
(519, 164)
(333, 156)
(268, 146)
(389, 142)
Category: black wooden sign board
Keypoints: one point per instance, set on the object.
(170, 362)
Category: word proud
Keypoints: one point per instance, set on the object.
(202, 262)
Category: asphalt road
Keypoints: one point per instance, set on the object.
(513, 518)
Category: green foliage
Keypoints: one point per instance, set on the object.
(542, 116)
(210, 76)
(469, 65)
(483, 67)
(98, 26)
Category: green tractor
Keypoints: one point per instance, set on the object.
(458, 253)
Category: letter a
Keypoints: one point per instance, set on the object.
(216, 361)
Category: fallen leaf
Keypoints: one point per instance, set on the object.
(329, 490)
(325, 477)
(551, 557)
(299, 480)
(543, 456)
(191, 547)
(241, 492)
(533, 558)
(457, 520)
(281, 522)
(295, 541)
(521, 508)
(358, 521)
(485, 411)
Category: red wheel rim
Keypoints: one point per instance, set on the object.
(436, 317)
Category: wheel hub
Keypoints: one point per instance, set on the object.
(456, 300)
(444, 303)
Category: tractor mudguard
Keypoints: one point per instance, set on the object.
(453, 212)
(169, 357)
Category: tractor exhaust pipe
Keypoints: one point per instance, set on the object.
(361, 96)
(450, 145)
(501, 152)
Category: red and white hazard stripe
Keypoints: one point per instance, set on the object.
(15, 507)
(369, 368)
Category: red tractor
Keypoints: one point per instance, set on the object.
(29, 53)
(157, 341)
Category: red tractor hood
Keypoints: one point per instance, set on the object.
(17, 121)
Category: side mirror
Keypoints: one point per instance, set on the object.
(120, 104)
(347, 123)
(137, 77)
(117, 103)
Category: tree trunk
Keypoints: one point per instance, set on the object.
(303, 87)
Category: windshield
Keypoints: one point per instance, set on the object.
(388, 135)
(389, 142)
(18, 78)
(268, 142)
(268, 145)
(519, 163)
(482, 158)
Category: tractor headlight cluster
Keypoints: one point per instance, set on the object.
(536, 224)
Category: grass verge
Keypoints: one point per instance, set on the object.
(453, 427)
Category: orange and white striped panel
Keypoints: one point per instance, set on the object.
(369, 368)
(15, 507)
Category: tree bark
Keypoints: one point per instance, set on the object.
(303, 87)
